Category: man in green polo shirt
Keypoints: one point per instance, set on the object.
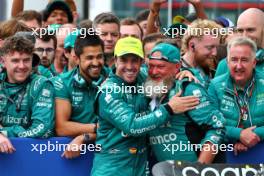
(26, 99)
(123, 113)
(75, 93)
(202, 127)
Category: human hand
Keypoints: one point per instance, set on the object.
(155, 5)
(5, 145)
(181, 104)
(248, 137)
(73, 148)
(186, 74)
(239, 147)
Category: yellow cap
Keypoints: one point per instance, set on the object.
(178, 19)
(129, 45)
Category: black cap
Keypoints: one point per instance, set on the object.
(60, 5)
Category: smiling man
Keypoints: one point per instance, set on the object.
(27, 102)
(202, 126)
(124, 119)
(239, 95)
(76, 90)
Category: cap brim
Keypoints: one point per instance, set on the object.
(126, 53)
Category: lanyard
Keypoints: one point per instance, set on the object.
(242, 102)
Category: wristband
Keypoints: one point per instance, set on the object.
(86, 138)
(169, 109)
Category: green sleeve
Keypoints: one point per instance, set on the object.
(207, 116)
(260, 132)
(42, 116)
(61, 91)
(233, 133)
(122, 116)
(222, 68)
(213, 95)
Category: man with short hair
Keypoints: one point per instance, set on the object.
(199, 45)
(123, 116)
(27, 102)
(57, 12)
(238, 95)
(109, 26)
(129, 27)
(45, 48)
(202, 126)
(75, 93)
(30, 18)
(253, 29)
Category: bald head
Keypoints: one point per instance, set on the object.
(250, 23)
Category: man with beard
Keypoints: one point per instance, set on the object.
(123, 116)
(238, 95)
(202, 127)
(26, 99)
(45, 47)
(253, 29)
(200, 48)
(75, 93)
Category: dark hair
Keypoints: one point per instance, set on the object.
(85, 24)
(142, 15)
(106, 17)
(154, 37)
(17, 43)
(87, 40)
(57, 5)
(29, 15)
(131, 22)
(46, 37)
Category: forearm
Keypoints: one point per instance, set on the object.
(70, 128)
(260, 132)
(199, 8)
(207, 154)
(17, 6)
(151, 27)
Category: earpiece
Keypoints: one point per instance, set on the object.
(193, 47)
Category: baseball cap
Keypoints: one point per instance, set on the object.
(225, 22)
(57, 4)
(129, 45)
(178, 19)
(166, 52)
(71, 38)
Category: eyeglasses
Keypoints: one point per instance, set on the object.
(41, 50)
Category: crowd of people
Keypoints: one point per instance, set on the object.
(127, 85)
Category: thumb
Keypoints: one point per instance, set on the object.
(252, 128)
(178, 94)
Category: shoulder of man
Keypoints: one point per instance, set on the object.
(37, 83)
(62, 80)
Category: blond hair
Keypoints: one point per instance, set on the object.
(198, 29)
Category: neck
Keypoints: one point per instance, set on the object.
(85, 77)
(58, 66)
(189, 58)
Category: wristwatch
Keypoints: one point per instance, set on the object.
(86, 138)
